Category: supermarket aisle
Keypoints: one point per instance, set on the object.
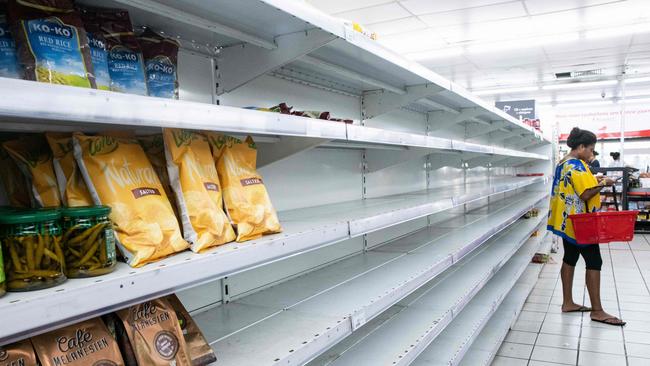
(544, 336)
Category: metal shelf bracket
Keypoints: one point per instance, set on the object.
(376, 103)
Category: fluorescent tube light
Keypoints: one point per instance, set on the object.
(618, 31)
(506, 90)
(575, 85)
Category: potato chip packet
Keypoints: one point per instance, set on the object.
(118, 174)
(85, 343)
(73, 189)
(33, 157)
(194, 179)
(154, 147)
(244, 194)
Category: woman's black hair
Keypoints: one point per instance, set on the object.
(579, 137)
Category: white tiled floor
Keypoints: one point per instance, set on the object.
(544, 336)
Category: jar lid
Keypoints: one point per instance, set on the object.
(26, 216)
(86, 211)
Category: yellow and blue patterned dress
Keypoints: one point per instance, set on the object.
(572, 178)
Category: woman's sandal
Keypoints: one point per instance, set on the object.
(611, 321)
(581, 309)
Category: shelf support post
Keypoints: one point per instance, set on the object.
(241, 64)
(445, 119)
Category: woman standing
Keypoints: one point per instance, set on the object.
(577, 190)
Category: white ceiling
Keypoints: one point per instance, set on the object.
(488, 44)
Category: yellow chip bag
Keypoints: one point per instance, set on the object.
(72, 187)
(13, 182)
(194, 179)
(244, 193)
(34, 158)
(118, 174)
(154, 147)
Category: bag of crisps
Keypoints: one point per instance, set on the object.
(244, 193)
(199, 349)
(154, 334)
(34, 158)
(19, 353)
(194, 179)
(85, 343)
(154, 147)
(72, 187)
(13, 181)
(118, 174)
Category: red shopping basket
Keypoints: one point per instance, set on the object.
(604, 227)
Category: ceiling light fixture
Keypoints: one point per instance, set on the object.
(524, 42)
(506, 90)
(618, 31)
(435, 54)
(576, 85)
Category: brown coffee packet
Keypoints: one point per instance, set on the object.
(200, 351)
(85, 343)
(19, 353)
(155, 334)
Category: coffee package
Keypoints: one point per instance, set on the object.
(200, 351)
(51, 42)
(18, 354)
(85, 343)
(155, 334)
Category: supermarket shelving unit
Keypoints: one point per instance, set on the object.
(418, 197)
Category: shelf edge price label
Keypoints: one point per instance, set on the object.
(358, 319)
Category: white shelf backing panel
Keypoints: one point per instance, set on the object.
(487, 343)
(265, 24)
(43, 105)
(352, 291)
(450, 347)
(426, 313)
(304, 229)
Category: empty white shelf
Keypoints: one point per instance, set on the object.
(423, 315)
(304, 229)
(450, 347)
(296, 320)
(486, 345)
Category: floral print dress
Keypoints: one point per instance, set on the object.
(572, 178)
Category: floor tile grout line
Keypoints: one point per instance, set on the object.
(543, 320)
(618, 302)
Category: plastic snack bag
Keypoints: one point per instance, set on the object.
(160, 59)
(34, 158)
(118, 174)
(125, 60)
(85, 343)
(9, 66)
(154, 334)
(13, 182)
(51, 42)
(154, 147)
(72, 187)
(194, 179)
(244, 194)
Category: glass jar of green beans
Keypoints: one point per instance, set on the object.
(31, 248)
(88, 241)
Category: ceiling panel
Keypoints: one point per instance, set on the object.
(420, 40)
(397, 26)
(610, 46)
(475, 15)
(420, 7)
(376, 14)
(491, 31)
(549, 6)
(339, 6)
(502, 60)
